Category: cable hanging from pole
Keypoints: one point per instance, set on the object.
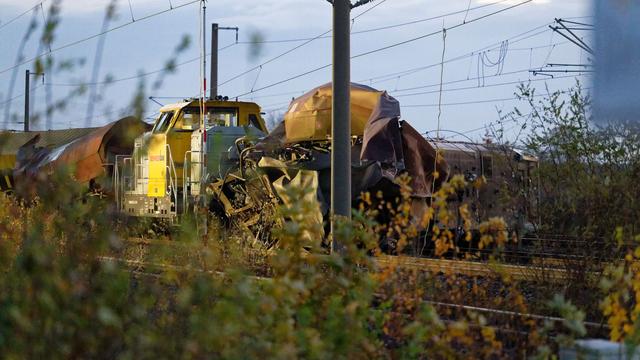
(21, 15)
(131, 12)
(444, 48)
(435, 160)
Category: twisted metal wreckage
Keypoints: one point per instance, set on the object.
(298, 153)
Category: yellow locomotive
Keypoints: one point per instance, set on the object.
(189, 145)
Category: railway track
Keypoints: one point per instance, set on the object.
(477, 268)
(548, 269)
(156, 270)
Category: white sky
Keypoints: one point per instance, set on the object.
(144, 46)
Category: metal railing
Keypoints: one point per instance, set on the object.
(172, 176)
(186, 176)
(119, 180)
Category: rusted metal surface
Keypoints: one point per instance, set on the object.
(10, 142)
(87, 155)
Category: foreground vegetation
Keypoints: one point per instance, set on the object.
(63, 298)
(72, 286)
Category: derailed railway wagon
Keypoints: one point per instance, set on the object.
(88, 153)
(503, 183)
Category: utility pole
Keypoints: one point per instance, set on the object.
(214, 58)
(27, 76)
(341, 122)
(214, 62)
(26, 101)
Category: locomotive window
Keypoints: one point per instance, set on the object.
(189, 120)
(487, 166)
(163, 122)
(223, 117)
(253, 120)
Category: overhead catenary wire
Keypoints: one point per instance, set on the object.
(444, 90)
(490, 85)
(395, 75)
(524, 70)
(483, 127)
(519, 71)
(387, 47)
(477, 101)
(138, 76)
(309, 40)
(2, 26)
(80, 41)
(272, 59)
(512, 40)
(306, 41)
(440, 31)
(387, 27)
(18, 96)
(485, 62)
(435, 158)
(369, 9)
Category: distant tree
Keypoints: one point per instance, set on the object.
(588, 173)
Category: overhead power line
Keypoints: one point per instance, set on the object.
(19, 95)
(489, 86)
(309, 40)
(404, 73)
(21, 14)
(513, 40)
(386, 47)
(364, 31)
(479, 101)
(394, 93)
(97, 35)
(369, 9)
(440, 31)
(273, 59)
(393, 76)
(484, 127)
(133, 77)
(525, 70)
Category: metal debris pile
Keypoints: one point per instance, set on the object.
(298, 153)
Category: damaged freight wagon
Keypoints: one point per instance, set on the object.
(90, 157)
(298, 152)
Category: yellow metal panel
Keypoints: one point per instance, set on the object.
(7, 161)
(157, 152)
(179, 143)
(309, 116)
